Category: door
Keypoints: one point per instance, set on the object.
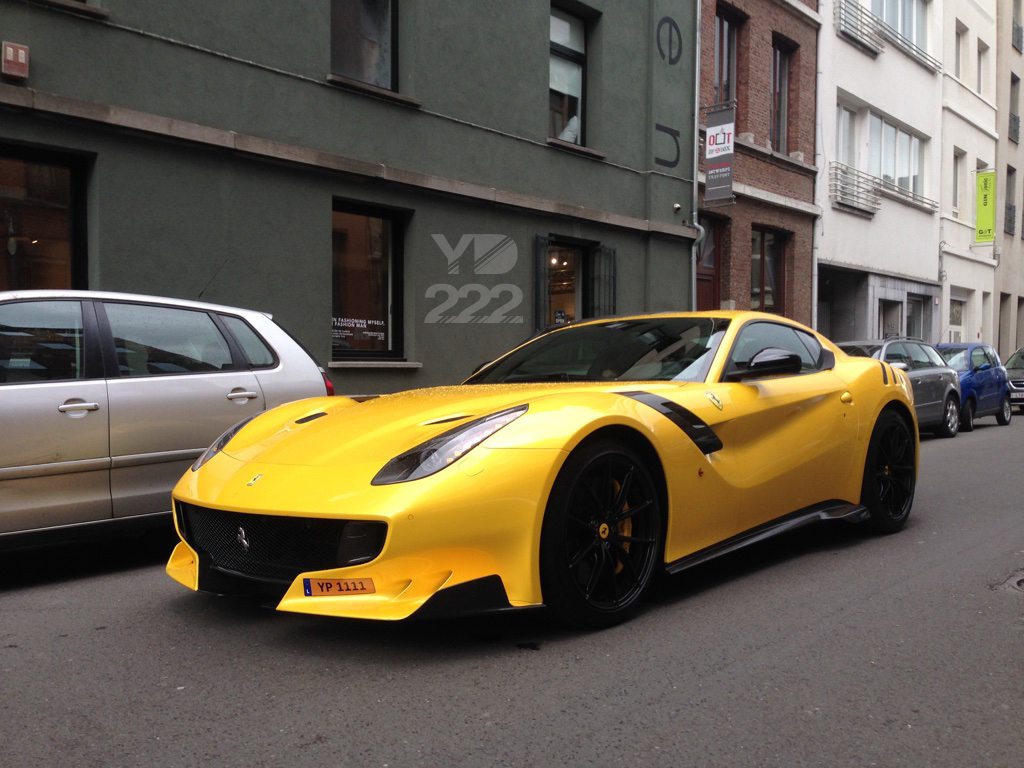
(784, 435)
(929, 386)
(54, 450)
(708, 292)
(179, 386)
(986, 380)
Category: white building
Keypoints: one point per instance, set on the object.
(1009, 70)
(969, 136)
(879, 95)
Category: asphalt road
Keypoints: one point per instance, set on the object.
(827, 647)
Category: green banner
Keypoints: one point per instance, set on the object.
(985, 230)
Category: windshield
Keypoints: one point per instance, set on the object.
(1016, 359)
(956, 358)
(651, 349)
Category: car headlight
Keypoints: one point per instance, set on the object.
(438, 452)
(220, 442)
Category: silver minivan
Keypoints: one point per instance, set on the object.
(107, 398)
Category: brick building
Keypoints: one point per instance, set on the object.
(761, 56)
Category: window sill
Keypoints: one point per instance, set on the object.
(400, 364)
(577, 149)
(76, 7)
(371, 90)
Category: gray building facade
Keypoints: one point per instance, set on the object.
(409, 186)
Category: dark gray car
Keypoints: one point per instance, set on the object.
(936, 385)
(1015, 372)
(106, 398)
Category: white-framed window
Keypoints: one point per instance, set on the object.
(958, 162)
(908, 17)
(982, 66)
(959, 49)
(896, 155)
(846, 136)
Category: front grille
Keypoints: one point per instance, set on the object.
(1018, 383)
(278, 548)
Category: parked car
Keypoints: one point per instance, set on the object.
(1015, 374)
(566, 473)
(984, 385)
(936, 386)
(107, 398)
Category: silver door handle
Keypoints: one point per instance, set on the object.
(78, 407)
(242, 395)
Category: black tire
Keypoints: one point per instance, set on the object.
(601, 539)
(1005, 412)
(967, 417)
(890, 474)
(950, 418)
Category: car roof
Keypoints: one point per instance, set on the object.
(119, 296)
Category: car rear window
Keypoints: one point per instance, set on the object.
(260, 355)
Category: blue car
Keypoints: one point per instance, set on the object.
(984, 385)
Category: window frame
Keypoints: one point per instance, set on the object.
(725, 81)
(576, 58)
(779, 290)
(782, 65)
(595, 281)
(396, 298)
(342, 78)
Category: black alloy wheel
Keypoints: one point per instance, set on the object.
(601, 537)
(890, 474)
(951, 418)
(967, 417)
(1005, 411)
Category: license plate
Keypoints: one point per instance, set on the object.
(337, 587)
(1017, 395)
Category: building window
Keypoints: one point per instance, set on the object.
(846, 136)
(365, 281)
(567, 78)
(957, 310)
(782, 53)
(39, 222)
(959, 49)
(982, 59)
(767, 252)
(726, 43)
(1014, 127)
(907, 17)
(575, 281)
(958, 160)
(363, 44)
(1010, 209)
(896, 156)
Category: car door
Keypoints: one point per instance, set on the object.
(177, 383)
(54, 449)
(926, 379)
(783, 436)
(985, 385)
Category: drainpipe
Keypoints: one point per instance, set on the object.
(695, 250)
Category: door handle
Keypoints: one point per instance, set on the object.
(242, 395)
(69, 407)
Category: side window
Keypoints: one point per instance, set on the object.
(759, 336)
(152, 341)
(897, 353)
(918, 357)
(934, 356)
(992, 356)
(256, 350)
(41, 341)
(978, 357)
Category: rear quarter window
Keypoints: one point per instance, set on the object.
(258, 352)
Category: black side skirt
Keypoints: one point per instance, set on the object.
(829, 510)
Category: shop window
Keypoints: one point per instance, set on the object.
(363, 44)
(567, 78)
(766, 270)
(38, 218)
(575, 281)
(365, 280)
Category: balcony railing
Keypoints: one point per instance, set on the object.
(850, 188)
(1018, 36)
(1010, 219)
(1015, 128)
(909, 47)
(858, 24)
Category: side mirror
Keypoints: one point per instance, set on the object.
(900, 366)
(769, 362)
